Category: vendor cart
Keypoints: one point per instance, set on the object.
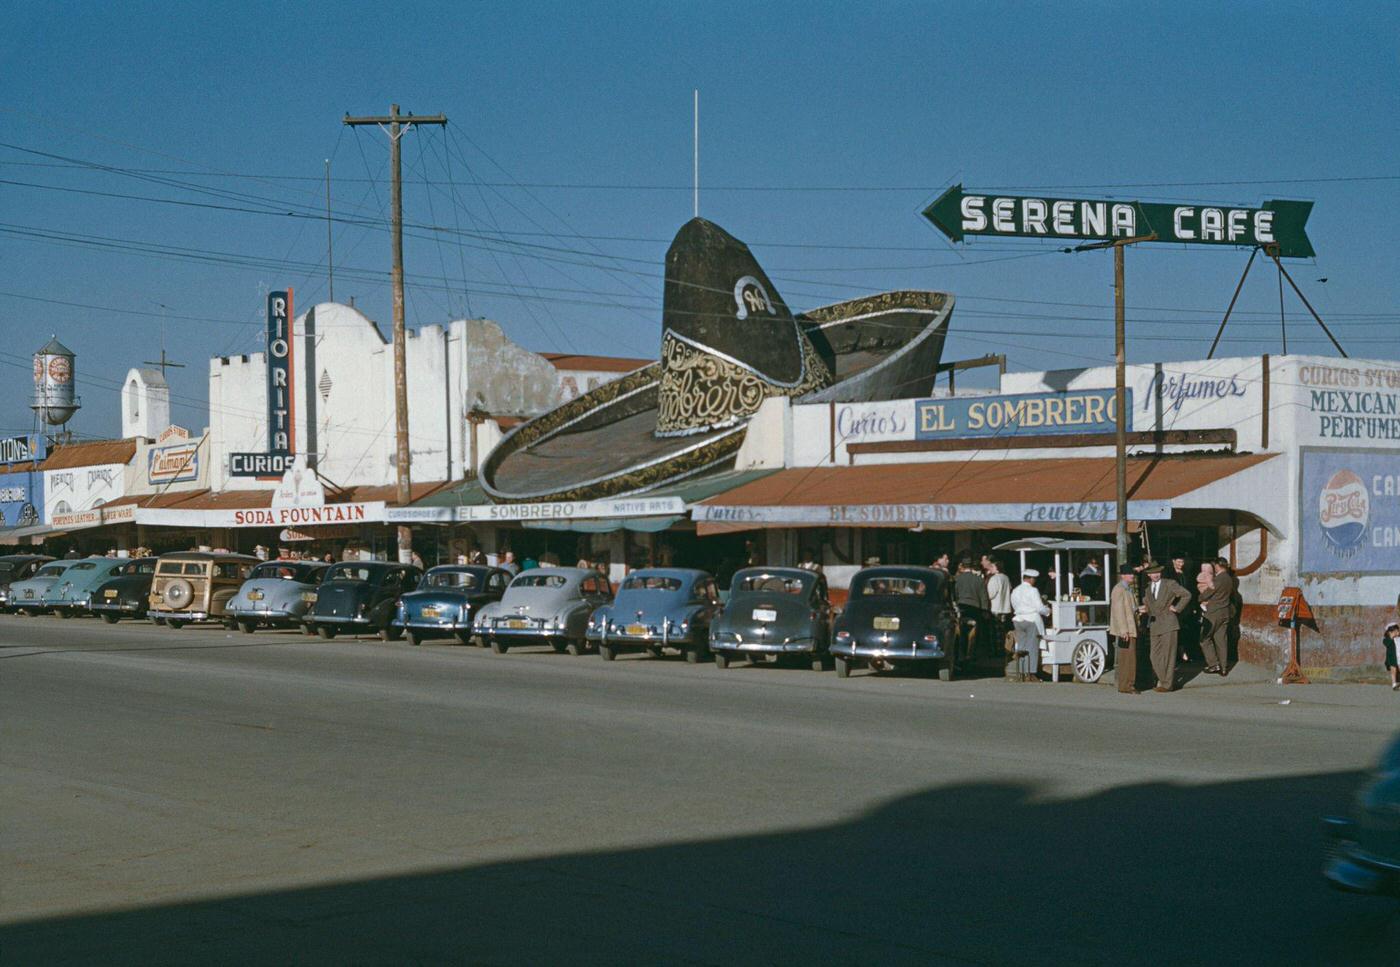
(1076, 631)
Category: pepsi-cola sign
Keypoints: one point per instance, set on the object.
(1350, 520)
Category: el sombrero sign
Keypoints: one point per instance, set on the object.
(1276, 224)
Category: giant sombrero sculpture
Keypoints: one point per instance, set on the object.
(728, 343)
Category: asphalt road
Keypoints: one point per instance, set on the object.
(200, 795)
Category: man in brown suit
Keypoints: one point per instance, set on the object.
(1162, 602)
(1215, 611)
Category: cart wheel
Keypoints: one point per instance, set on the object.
(843, 668)
(1089, 661)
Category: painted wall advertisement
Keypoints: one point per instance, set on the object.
(1350, 512)
(1083, 411)
(81, 488)
(1349, 402)
(21, 498)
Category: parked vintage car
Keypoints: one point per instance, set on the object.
(360, 597)
(127, 593)
(894, 616)
(26, 595)
(777, 611)
(658, 608)
(17, 567)
(71, 594)
(1364, 849)
(277, 594)
(443, 603)
(196, 586)
(544, 606)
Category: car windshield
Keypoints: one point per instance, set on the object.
(84, 566)
(771, 583)
(450, 579)
(350, 572)
(651, 582)
(52, 571)
(286, 570)
(881, 586)
(140, 567)
(538, 581)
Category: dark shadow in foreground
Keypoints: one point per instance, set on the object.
(986, 873)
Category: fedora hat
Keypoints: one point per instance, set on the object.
(728, 343)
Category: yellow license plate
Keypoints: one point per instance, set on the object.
(883, 623)
(255, 595)
(517, 623)
(636, 629)
(109, 593)
(430, 612)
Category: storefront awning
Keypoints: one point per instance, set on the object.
(963, 494)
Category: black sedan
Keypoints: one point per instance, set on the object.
(895, 616)
(361, 597)
(774, 611)
(127, 594)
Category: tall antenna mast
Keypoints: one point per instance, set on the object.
(696, 166)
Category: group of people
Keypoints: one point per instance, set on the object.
(1175, 615)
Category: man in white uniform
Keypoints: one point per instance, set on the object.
(1028, 611)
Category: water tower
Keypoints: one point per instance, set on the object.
(54, 400)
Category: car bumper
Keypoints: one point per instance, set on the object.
(891, 652)
(760, 646)
(1350, 870)
(619, 640)
(435, 624)
(519, 634)
(264, 614)
(178, 615)
(317, 619)
(115, 607)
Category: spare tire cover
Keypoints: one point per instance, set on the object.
(178, 593)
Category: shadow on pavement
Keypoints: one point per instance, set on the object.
(982, 873)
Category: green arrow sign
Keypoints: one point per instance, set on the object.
(957, 214)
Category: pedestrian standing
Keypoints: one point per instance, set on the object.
(1162, 603)
(1123, 626)
(1215, 621)
(974, 606)
(1232, 634)
(1028, 612)
(999, 594)
(508, 563)
(1392, 659)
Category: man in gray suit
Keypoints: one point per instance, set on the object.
(1162, 602)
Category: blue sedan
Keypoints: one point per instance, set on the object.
(656, 609)
(444, 603)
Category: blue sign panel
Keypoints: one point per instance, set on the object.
(1025, 414)
(21, 498)
(1350, 512)
(21, 449)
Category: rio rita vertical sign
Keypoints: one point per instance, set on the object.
(281, 429)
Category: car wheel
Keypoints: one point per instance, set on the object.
(654, 651)
(247, 627)
(577, 647)
(819, 663)
(1089, 661)
(230, 624)
(390, 633)
(694, 656)
(721, 660)
(308, 629)
(843, 668)
(157, 620)
(558, 646)
(174, 625)
(62, 613)
(464, 637)
(412, 638)
(499, 647)
(606, 653)
(325, 631)
(946, 671)
(111, 619)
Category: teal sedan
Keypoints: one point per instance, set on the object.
(72, 592)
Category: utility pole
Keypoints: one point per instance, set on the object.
(1120, 385)
(330, 256)
(396, 125)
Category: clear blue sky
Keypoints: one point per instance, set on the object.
(887, 102)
